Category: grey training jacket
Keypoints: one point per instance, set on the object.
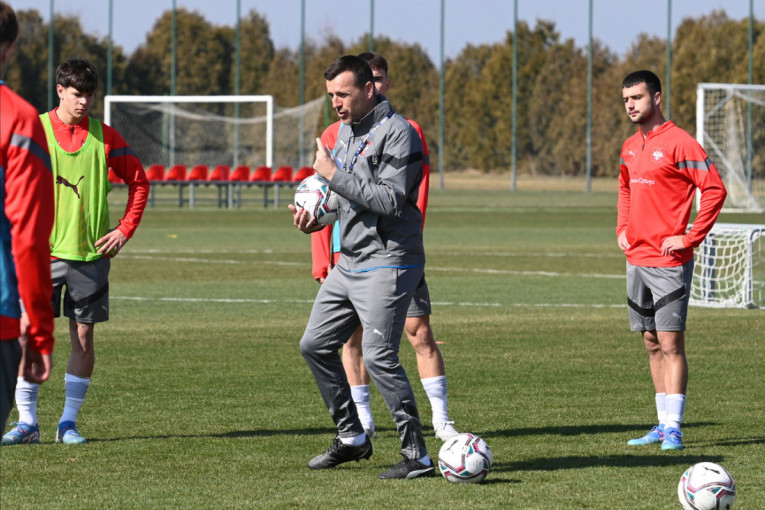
(380, 224)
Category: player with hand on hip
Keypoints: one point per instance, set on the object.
(82, 150)
(325, 250)
(661, 168)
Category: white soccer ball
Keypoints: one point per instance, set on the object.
(465, 458)
(706, 486)
(313, 194)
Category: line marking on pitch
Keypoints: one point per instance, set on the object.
(209, 261)
(309, 301)
(553, 274)
(209, 251)
(524, 273)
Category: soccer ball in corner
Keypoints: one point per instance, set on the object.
(465, 458)
(706, 486)
(313, 194)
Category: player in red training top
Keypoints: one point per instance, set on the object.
(82, 150)
(430, 363)
(26, 219)
(661, 168)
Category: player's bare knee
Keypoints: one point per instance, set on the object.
(673, 350)
(353, 344)
(424, 345)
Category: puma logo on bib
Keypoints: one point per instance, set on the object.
(61, 180)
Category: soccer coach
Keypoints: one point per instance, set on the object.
(376, 169)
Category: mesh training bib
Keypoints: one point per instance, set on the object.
(81, 186)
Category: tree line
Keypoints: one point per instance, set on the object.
(552, 80)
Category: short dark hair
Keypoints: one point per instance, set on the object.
(78, 73)
(362, 73)
(9, 25)
(375, 60)
(651, 81)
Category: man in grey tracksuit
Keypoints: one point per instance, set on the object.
(375, 171)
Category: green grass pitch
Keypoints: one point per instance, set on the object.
(200, 398)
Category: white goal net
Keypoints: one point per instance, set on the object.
(729, 268)
(730, 125)
(215, 130)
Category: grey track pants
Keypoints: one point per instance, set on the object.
(378, 300)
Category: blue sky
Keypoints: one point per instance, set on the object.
(616, 23)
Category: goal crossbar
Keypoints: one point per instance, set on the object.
(268, 100)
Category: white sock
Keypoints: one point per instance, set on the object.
(661, 408)
(360, 396)
(354, 440)
(76, 388)
(435, 388)
(26, 401)
(675, 410)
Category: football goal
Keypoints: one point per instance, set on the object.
(730, 125)
(215, 130)
(729, 267)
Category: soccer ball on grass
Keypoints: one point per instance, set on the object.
(313, 195)
(706, 486)
(465, 458)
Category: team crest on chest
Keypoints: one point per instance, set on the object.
(657, 155)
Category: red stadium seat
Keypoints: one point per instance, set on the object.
(282, 174)
(219, 173)
(301, 174)
(198, 173)
(156, 173)
(176, 173)
(261, 174)
(240, 174)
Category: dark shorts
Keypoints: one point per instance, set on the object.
(420, 305)
(86, 297)
(10, 357)
(658, 297)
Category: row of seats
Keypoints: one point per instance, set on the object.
(222, 174)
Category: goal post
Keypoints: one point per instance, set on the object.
(730, 125)
(729, 267)
(246, 130)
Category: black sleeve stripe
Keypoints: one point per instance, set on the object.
(401, 162)
(124, 151)
(695, 165)
(25, 142)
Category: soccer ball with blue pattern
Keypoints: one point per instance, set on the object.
(313, 194)
(465, 458)
(706, 486)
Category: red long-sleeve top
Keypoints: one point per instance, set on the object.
(27, 220)
(658, 177)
